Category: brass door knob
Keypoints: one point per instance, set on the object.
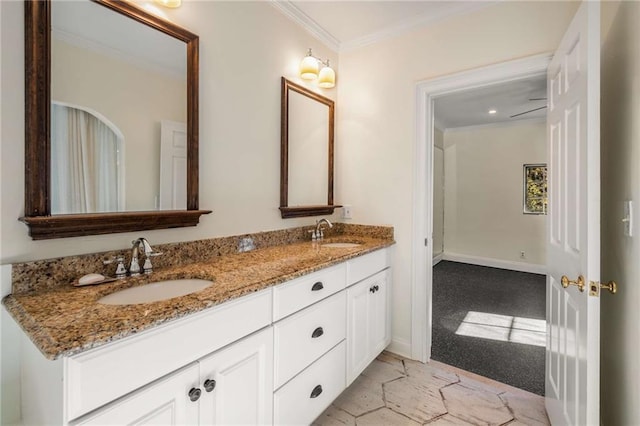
(596, 286)
(566, 282)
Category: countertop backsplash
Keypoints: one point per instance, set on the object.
(46, 274)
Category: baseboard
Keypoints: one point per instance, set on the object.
(437, 258)
(400, 347)
(533, 268)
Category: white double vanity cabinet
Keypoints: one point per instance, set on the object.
(279, 356)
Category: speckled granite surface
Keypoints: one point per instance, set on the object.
(64, 320)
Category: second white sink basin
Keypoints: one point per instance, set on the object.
(155, 292)
(341, 245)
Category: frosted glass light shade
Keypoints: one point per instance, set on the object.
(327, 78)
(309, 68)
(169, 3)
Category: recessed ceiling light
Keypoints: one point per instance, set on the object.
(492, 111)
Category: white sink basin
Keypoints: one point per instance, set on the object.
(155, 292)
(341, 245)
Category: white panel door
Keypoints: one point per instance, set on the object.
(169, 401)
(573, 244)
(237, 383)
(173, 166)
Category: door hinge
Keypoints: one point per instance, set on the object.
(426, 242)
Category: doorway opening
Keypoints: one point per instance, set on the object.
(489, 222)
(423, 248)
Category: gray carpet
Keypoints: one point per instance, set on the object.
(459, 288)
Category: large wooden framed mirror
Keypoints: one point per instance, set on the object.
(306, 154)
(93, 153)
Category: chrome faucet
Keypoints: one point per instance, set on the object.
(134, 267)
(319, 234)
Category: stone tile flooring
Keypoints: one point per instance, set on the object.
(397, 391)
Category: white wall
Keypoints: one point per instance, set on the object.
(438, 192)
(142, 100)
(375, 155)
(620, 151)
(245, 47)
(484, 192)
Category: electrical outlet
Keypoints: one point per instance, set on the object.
(522, 255)
(346, 212)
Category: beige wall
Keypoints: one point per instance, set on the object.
(484, 190)
(143, 99)
(620, 161)
(438, 192)
(245, 47)
(376, 112)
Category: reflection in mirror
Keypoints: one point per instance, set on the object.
(107, 65)
(308, 151)
(112, 97)
(86, 158)
(306, 173)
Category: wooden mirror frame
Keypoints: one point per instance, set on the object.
(37, 207)
(302, 211)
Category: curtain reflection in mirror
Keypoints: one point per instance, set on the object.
(86, 176)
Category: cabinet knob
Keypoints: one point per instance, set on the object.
(316, 392)
(317, 286)
(194, 394)
(372, 289)
(317, 333)
(376, 287)
(209, 385)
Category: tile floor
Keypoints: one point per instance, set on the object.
(397, 391)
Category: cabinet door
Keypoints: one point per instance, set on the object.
(166, 401)
(357, 329)
(368, 325)
(379, 323)
(237, 382)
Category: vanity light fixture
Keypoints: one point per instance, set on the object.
(169, 3)
(492, 111)
(310, 70)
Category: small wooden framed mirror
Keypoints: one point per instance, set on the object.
(306, 156)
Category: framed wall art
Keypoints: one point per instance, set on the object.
(535, 189)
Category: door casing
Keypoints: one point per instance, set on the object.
(422, 229)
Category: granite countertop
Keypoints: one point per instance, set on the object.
(63, 320)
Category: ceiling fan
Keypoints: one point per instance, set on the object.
(531, 110)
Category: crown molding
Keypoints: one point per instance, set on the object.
(290, 10)
(295, 14)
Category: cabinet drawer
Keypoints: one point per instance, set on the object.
(103, 374)
(306, 396)
(294, 295)
(304, 337)
(367, 265)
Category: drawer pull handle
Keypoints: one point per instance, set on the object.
(317, 333)
(316, 391)
(317, 286)
(194, 394)
(209, 385)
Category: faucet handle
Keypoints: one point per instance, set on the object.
(147, 268)
(121, 271)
